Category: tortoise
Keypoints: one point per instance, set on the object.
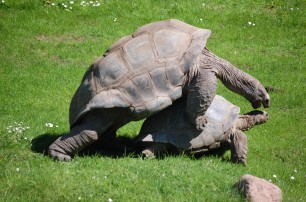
(170, 129)
(144, 73)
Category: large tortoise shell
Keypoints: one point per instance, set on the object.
(144, 71)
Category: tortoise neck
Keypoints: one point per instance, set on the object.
(233, 78)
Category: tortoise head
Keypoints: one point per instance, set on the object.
(258, 96)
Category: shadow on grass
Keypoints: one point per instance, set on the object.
(110, 147)
(40, 144)
(115, 147)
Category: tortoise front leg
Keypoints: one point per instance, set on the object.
(250, 119)
(201, 92)
(239, 145)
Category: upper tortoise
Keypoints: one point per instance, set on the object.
(142, 74)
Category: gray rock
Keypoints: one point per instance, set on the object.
(258, 190)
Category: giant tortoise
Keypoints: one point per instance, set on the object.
(170, 129)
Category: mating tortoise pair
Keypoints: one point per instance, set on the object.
(143, 74)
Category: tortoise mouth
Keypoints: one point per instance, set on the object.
(266, 103)
(256, 104)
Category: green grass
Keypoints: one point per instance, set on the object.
(45, 51)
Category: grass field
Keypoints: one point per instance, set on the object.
(45, 48)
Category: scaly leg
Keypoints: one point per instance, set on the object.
(238, 143)
(201, 92)
(90, 128)
(247, 121)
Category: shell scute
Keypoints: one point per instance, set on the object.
(111, 69)
(139, 52)
(170, 44)
(160, 81)
(145, 87)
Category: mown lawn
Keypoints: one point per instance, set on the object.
(45, 48)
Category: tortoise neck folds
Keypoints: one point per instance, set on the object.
(233, 78)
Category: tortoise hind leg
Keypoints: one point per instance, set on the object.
(238, 144)
(153, 149)
(86, 132)
(64, 148)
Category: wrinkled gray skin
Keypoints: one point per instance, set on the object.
(171, 128)
(144, 73)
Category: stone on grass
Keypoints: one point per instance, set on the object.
(258, 190)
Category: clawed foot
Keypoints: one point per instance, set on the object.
(147, 153)
(58, 156)
(201, 122)
(155, 148)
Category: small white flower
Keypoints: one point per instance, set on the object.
(270, 180)
(115, 19)
(292, 178)
(25, 138)
(110, 200)
(250, 23)
(295, 171)
(253, 24)
(203, 4)
(91, 2)
(201, 19)
(79, 198)
(71, 2)
(17, 169)
(274, 176)
(3, 1)
(49, 125)
(105, 177)
(52, 4)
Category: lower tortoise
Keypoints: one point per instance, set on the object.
(144, 73)
(170, 130)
